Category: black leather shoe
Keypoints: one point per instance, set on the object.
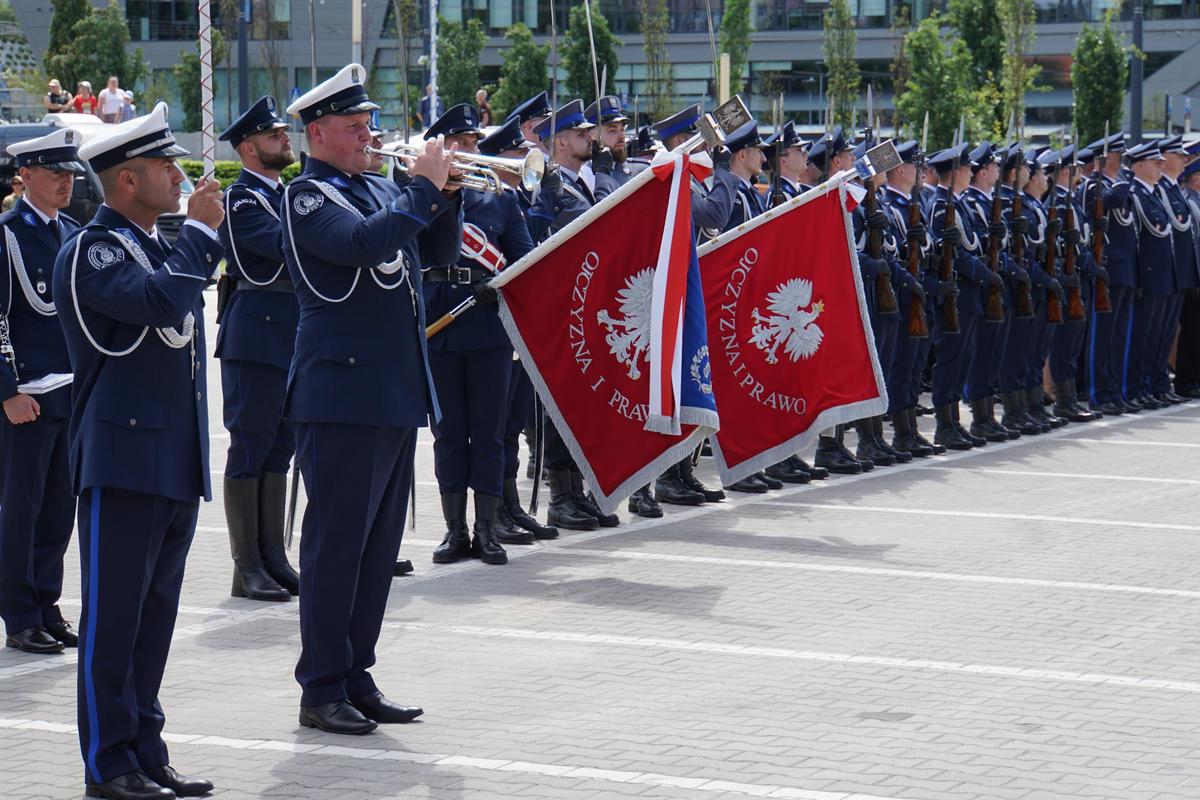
(339, 716)
(838, 461)
(772, 483)
(784, 471)
(816, 473)
(642, 504)
(749, 484)
(130, 786)
(511, 503)
(403, 567)
(1111, 409)
(484, 545)
(34, 640)
(586, 503)
(378, 708)
(564, 512)
(63, 632)
(181, 785)
(507, 530)
(456, 544)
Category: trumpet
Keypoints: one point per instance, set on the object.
(476, 171)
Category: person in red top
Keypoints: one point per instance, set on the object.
(85, 101)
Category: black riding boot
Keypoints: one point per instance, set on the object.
(511, 503)
(272, 513)
(484, 546)
(833, 456)
(946, 434)
(689, 479)
(882, 443)
(867, 449)
(670, 488)
(456, 544)
(916, 432)
(586, 503)
(250, 578)
(903, 440)
(564, 512)
(642, 504)
(982, 424)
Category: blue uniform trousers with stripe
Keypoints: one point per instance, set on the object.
(1106, 347)
(520, 412)
(983, 377)
(357, 479)
(132, 549)
(1064, 354)
(37, 513)
(468, 441)
(259, 439)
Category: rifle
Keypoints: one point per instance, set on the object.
(994, 304)
(885, 295)
(918, 327)
(777, 196)
(1103, 299)
(1075, 311)
(950, 322)
(1054, 313)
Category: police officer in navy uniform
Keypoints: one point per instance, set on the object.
(358, 388)
(641, 149)
(1187, 268)
(912, 353)
(610, 159)
(471, 360)
(511, 518)
(712, 203)
(1105, 355)
(255, 343)
(1187, 357)
(37, 507)
(1157, 280)
(567, 134)
(133, 317)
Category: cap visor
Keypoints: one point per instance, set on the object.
(361, 108)
(65, 166)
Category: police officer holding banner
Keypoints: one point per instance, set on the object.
(133, 319)
(359, 387)
(255, 343)
(37, 507)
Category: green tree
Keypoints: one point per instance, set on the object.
(735, 40)
(1017, 74)
(405, 21)
(1099, 73)
(187, 78)
(841, 38)
(459, 47)
(62, 21)
(901, 67)
(977, 23)
(99, 47)
(941, 82)
(576, 54)
(660, 77)
(523, 71)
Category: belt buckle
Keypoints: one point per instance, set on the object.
(460, 276)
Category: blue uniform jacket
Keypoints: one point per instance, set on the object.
(609, 182)
(139, 419)
(258, 325)
(361, 357)
(711, 207)
(747, 204)
(553, 211)
(500, 217)
(889, 261)
(1120, 247)
(897, 204)
(37, 338)
(1155, 250)
(968, 261)
(1187, 275)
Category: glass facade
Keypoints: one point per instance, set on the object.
(178, 20)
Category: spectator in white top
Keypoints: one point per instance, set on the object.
(112, 99)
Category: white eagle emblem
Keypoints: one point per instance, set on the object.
(307, 202)
(629, 338)
(102, 255)
(792, 322)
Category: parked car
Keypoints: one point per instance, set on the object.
(87, 194)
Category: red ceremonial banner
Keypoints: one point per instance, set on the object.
(789, 339)
(580, 312)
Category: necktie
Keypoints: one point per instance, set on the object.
(53, 226)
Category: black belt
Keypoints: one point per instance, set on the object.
(282, 285)
(459, 276)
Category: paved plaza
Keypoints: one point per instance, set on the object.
(1017, 622)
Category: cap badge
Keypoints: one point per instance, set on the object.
(69, 138)
(354, 74)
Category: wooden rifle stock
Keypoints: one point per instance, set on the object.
(949, 309)
(993, 310)
(1103, 298)
(918, 327)
(1075, 311)
(885, 295)
(1054, 313)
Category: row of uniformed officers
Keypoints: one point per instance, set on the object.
(329, 283)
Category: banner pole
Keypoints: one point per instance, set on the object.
(207, 143)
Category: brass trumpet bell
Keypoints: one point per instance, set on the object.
(477, 171)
